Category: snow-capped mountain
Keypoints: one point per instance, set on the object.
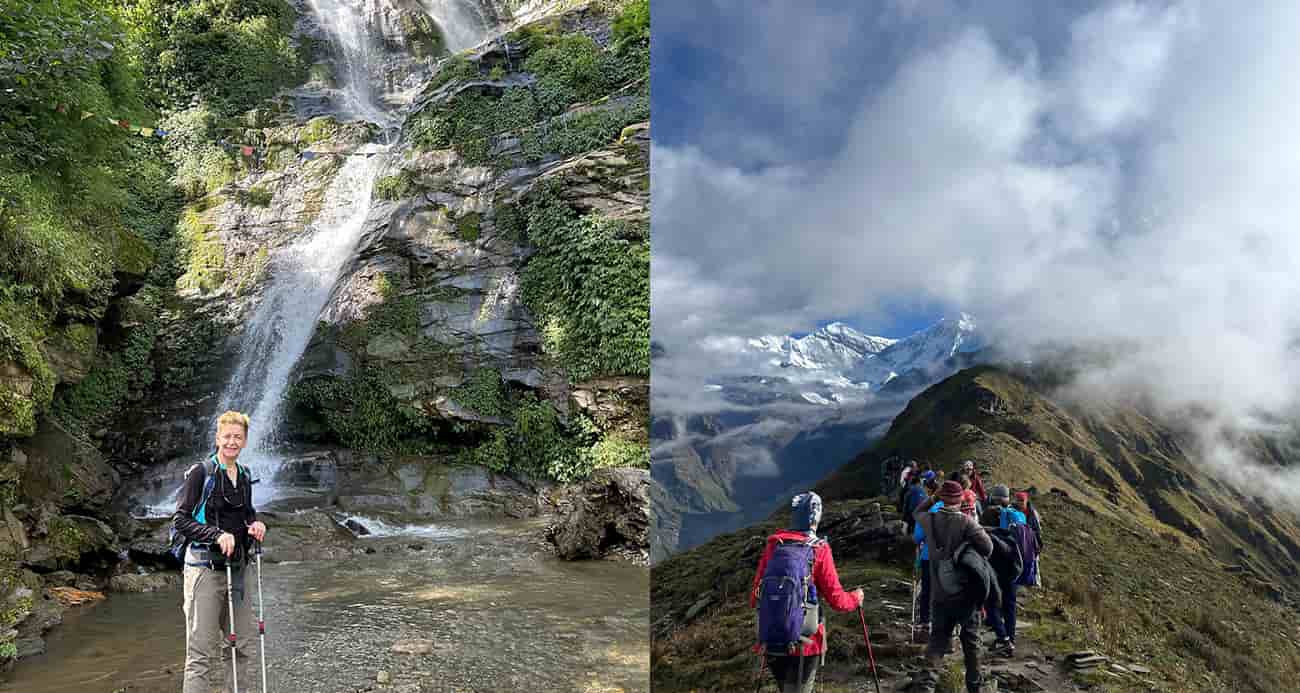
(838, 364)
(835, 346)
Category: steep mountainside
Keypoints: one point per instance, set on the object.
(1180, 579)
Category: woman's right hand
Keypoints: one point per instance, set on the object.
(227, 543)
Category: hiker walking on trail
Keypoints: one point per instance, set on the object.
(976, 483)
(957, 546)
(796, 576)
(918, 536)
(1021, 503)
(999, 499)
(913, 497)
(970, 505)
(215, 520)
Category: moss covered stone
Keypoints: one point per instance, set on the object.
(203, 252)
(468, 225)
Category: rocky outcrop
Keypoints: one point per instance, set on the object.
(607, 515)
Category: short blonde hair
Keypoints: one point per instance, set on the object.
(233, 417)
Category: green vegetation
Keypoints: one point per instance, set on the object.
(467, 226)
(256, 196)
(632, 26)
(589, 286)
(363, 414)
(395, 187)
(232, 55)
(96, 399)
(484, 393)
(569, 69)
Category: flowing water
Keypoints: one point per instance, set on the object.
(282, 325)
(501, 615)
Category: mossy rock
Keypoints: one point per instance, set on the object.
(26, 379)
(134, 257)
(468, 226)
(318, 129)
(204, 252)
(71, 351)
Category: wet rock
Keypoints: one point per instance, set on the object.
(61, 578)
(356, 527)
(152, 582)
(66, 471)
(73, 541)
(611, 509)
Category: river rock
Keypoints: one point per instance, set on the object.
(151, 582)
(609, 511)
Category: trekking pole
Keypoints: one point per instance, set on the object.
(916, 565)
(261, 622)
(866, 637)
(230, 601)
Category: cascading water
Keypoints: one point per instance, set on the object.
(303, 275)
(462, 22)
(347, 24)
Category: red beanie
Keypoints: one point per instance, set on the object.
(950, 493)
(1023, 496)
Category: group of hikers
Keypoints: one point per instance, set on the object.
(975, 550)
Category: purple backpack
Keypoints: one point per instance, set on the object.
(787, 602)
(1027, 544)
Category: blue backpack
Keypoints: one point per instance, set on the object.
(177, 542)
(787, 604)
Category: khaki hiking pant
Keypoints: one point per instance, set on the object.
(207, 617)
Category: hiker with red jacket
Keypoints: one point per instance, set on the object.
(795, 557)
(946, 531)
(976, 483)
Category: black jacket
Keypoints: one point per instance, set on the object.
(229, 507)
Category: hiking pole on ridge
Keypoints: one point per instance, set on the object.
(230, 601)
(866, 637)
(916, 579)
(261, 615)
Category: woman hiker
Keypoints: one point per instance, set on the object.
(806, 511)
(217, 532)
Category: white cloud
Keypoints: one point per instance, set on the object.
(1138, 190)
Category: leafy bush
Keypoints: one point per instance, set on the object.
(484, 393)
(231, 54)
(396, 186)
(616, 452)
(363, 414)
(589, 286)
(632, 24)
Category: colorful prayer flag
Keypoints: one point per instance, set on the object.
(246, 150)
(124, 125)
(147, 132)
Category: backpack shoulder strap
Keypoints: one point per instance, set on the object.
(210, 470)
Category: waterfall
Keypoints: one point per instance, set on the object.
(303, 275)
(462, 22)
